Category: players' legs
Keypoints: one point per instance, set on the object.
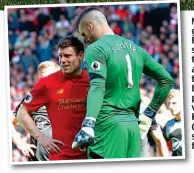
(134, 149)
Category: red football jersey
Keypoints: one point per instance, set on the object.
(65, 100)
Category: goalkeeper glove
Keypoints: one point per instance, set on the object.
(85, 137)
(146, 121)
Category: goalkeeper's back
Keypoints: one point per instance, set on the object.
(123, 65)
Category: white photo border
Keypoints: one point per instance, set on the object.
(94, 4)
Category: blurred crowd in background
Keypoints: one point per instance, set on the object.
(34, 32)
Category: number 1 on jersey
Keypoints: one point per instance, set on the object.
(130, 79)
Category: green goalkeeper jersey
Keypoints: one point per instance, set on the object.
(115, 66)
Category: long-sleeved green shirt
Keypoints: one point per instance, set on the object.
(115, 66)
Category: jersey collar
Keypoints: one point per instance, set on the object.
(71, 77)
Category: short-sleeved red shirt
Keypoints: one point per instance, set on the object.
(65, 100)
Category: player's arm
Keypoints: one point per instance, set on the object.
(25, 119)
(164, 83)
(158, 138)
(96, 66)
(33, 101)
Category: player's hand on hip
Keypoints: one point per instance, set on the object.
(144, 125)
(146, 121)
(85, 136)
(26, 149)
(49, 144)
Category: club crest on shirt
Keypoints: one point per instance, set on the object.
(60, 91)
(28, 98)
(95, 65)
(42, 122)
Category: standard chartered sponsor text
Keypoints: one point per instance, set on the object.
(71, 100)
(71, 103)
(71, 106)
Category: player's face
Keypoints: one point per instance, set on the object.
(69, 60)
(86, 30)
(174, 105)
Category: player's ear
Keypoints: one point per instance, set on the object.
(90, 25)
(81, 55)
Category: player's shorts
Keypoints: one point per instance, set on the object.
(62, 156)
(121, 140)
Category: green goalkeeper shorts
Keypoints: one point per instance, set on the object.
(121, 140)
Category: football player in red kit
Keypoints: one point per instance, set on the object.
(64, 95)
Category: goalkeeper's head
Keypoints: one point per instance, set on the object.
(46, 68)
(92, 25)
(173, 102)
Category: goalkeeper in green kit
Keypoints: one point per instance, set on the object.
(112, 127)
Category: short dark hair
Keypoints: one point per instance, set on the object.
(71, 41)
(82, 14)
